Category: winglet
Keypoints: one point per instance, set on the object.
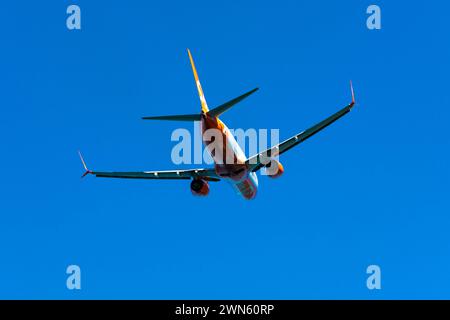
(353, 94)
(84, 165)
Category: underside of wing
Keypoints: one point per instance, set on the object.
(260, 160)
(208, 174)
(205, 174)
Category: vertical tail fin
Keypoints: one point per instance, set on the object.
(199, 86)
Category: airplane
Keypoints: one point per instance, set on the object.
(241, 172)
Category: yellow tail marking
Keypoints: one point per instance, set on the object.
(199, 86)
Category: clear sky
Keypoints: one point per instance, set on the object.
(371, 189)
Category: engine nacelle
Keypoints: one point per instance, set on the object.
(274, 169)
(199, 187)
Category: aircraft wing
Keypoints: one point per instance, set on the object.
(205, 174)
(260, 160)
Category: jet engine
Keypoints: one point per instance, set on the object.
(274, 169)
(199, 187)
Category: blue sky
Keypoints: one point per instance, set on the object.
(371, 189)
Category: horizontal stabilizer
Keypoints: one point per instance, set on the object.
(224, 107)
(181, 117)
